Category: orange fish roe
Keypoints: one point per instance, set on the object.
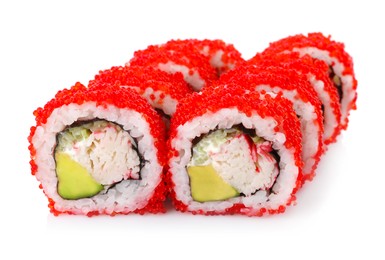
(306, 65)
(253, 77)
(145, 80)
(319, 41)
(222, 56)
(251, 103)
(159, 56)
(120, 98)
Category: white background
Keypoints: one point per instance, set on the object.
(46, 46)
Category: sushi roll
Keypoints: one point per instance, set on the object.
(222, 56)
(194, 66)
(233, 151)
(162, 90)
(315, 71)
(340, 64)
(306, 104)
(99, 152)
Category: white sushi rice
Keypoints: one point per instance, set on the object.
(216, 60)
(194, 79)
(330, 119)
(338, 68)
(225, 119)
(125, 196)
(167, 104)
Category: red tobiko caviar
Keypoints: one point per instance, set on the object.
(318, 40)
(111, 95)
(333, 51)
(171, 58)
(152, 84)
(277, 92)
(314, 70)
(277, 79)
(228, 96)
(222, 56)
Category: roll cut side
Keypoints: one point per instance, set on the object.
(99, 152)
(234, 152)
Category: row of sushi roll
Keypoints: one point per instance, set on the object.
(193, 121)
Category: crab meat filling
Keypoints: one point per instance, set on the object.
(93, 156)
(230, 162)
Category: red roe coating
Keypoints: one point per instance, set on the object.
(306, 65)
(222, 56)
(250, 77)
(250, 103)
(142, 79)
(178, 55)
(120, 98)
(319, 41)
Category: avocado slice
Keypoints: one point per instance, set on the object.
(207, 185)
(74, 181)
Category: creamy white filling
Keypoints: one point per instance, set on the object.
(245, 165)
(104, 149)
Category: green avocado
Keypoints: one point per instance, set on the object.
(207, 185)
(74, 181)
